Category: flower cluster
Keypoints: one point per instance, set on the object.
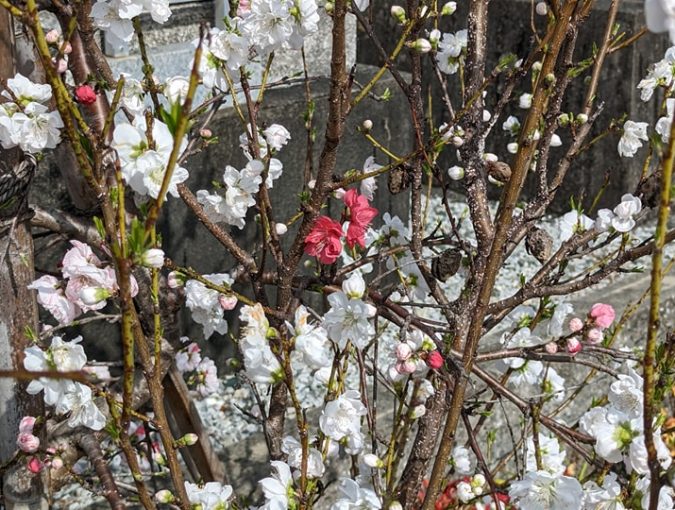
(325, 239)
(144, 156)
(208, 305)
(262, 366)
(621, 218)
(25, 121)
(199, 372)
(414, 357)
(89, 284)
(451, 51)
(65, 395)
(618, 430)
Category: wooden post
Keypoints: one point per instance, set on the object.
(21, 489)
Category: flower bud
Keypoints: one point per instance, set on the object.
(490, 157)
(159, 459)
(525, 101)
(164, 496)
(330, 7)
(582, 118)
(280, 228)
(398, 13)
(555, 140)
(187, 440)
(434, 37)
(576, 325)
(594, 336)
(573, 346)
(227, 302)
(91, 296)
(85, 94)
(154, 257)
(434, 360)
(563, 119)
(354, 286)
(373, 461)
(477, 481)
(449, 9)
(27, 442)
(551, 347)
(512, 148)
(536, 66)
(406, 367)
(367, 125)
(339, 193)
(51, 37)
(205, 133)
(541, 8)
(486, 116)
(26, 424)
(418, 411)
(67, 49)
(175, 280)
(403, 351)
(456, 173)
(176, 89)
(34, 465)
(395, 505)
(311, 184)
(421, 45)
(57, 462)
(457, 141)
(61, 65)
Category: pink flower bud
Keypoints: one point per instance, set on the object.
(34, 465)
(576, 325)
(551, 347)
(174, 280)
(406, 367)
(51, 37)
(603, 315)
(244, 8)
(85, 94)
(67, 49)
(57, 463)
(594, 336)
(227, 302)
(205, 133)
(26, 424)
(61, 66)
(27, 442)
(434, 360)
(403, 351)
(573, 346)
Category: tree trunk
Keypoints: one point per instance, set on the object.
(20, 488)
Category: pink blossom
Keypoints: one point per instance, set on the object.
(52, 298)
(403, 351)
(26, 424)
(324, 241)
(603, 315)
(551, 347)
(207, 377)
(573, 346)
(189, 358)
(360, 215)
(34, 465)
(244, 8)
(434, 360)
(227, 302)
(174, 280)
(576, 325)
(78, 260)
(51, 37)
(27, 442)
(406, 367)
(594, 336)
(57, 463)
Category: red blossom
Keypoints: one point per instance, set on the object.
(360, 215)
(324, 241)
(85, 94)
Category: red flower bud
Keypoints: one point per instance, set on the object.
(85, 94)
(434, 360)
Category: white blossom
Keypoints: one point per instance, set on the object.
(348, 320)
(607, 497)
(341, 420)
(277, 488)
(292, 447)
(572, 223)
(622, 220)
(276, 136)
(311, 340)
(212, 496)
(552, 459)
(631, 140)
(356, 497)
(540, 490)
(450, 51)
(205, 305)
